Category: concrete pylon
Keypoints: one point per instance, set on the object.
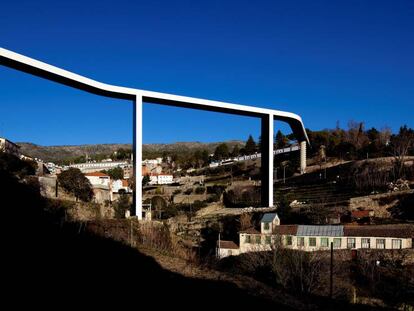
(303, 157)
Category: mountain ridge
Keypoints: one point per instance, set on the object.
(59, 153)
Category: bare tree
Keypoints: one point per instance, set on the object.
(245, 221)
(401, 145)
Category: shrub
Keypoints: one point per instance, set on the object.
(75, 182)
(13, 164)
(200, 190)
(216, 189)
(121, 206)
(242, 197)
(213, 198)
(188, 191)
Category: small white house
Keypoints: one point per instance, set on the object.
(98, 179)
(165, 179)
(161, 179)
(121, 184)
(269, 222)
(227, 248)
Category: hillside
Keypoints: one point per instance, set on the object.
(58, 153)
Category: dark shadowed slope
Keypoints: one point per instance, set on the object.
(50, 263)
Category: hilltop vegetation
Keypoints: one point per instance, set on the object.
(60, 154)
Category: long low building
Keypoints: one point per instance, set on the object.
(99, 166)
(313, 238)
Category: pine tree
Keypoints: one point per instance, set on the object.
(250, 145)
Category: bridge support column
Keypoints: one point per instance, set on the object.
(303, 157)
(267, 160)
(137, 210)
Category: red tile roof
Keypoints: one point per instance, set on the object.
(250, 231)
(361, 214)
(392, 231)
(286, 229)
(124, 183)
(227, 244)
(97, 174)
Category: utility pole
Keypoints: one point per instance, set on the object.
(130, 232)
(331, 274)
(218, 246)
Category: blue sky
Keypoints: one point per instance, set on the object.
(328, 61)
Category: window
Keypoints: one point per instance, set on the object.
(301, 241)
(229, 253)
(258, 239)
(324, 242)
(396, 244)
(268, 239)
(248, 239)
(337, 242)
(351, 243)
(289, 240)
(366, 243)
(312, 242)
(266, 226)
(381, 243)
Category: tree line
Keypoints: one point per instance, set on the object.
(357, 143)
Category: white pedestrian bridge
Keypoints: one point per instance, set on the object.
(138, 97)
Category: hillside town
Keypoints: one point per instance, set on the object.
(356, 206)
(194, 155)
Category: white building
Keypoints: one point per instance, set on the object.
(121, 184)
(9, 147)
(313, 238)
(98, 179)
(161, 179)
(99, 166)
(227, 248)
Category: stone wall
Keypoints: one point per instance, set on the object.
(48, 190)
(379, 203)
(183, 198)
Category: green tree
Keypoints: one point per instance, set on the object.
(115, 173)
(250, 147)
(221, 152)
(75, 182)
(122, 154)
(158, 205)
(205, 157)
(121, 206)
(145, 180)
(13, 164)
(236, 151)
(281, 140)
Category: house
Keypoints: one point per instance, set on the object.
(362, 215)
(91, 167)
(121, 185)
(156, 170)
(320, 237)
(9, 147)
(161, 179)
(269, 222)
(128, 171)
(99, 179)
(165, 179)
(227, 248)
